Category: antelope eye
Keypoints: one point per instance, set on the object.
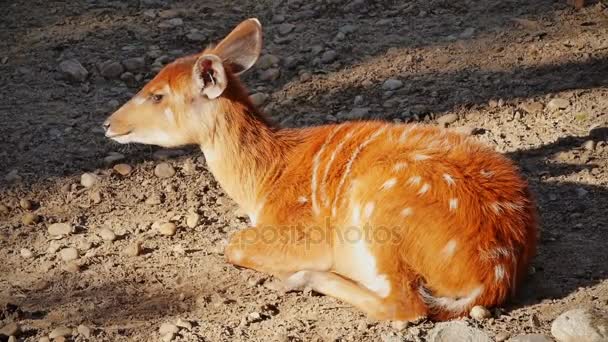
(156, 98)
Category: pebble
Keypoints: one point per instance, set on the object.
(286, 28)
(267, 61)
(581, 325)
(167, 229)
(531, 338)
(174, 22)
(72, 69)
(71, 267)
(196, 37)
(69, 254)
(305, 76)
(348, 28)
(479, 313)
(26, 253)
(84, 331)
(356, 113)
(447, 119)
(192, 220)
(30, 218)
(113, 157)
(134, 64)
(580, 192)
(258, 99)
(167, 328)
(502, 336)
(4, 209)
(164, 170)
(533, 107)
(107, 234)
(392, 84)
(95, 196)
(270, 74)
(168, 337)
(183, 324)
(456, 331)
(558, 103)
(11, 339)
(44, 339)
(278, 18)
(329, 56)
(111, 69)
(132, 250)
(11, 329)
(589, 145)
(358, 100)
(154, 199)
(60, 331)
(88, 180)
(25, 204)
(60, 229)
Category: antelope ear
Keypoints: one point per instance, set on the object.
(241, 48)
(209, 76)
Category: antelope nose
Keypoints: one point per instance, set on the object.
(106, 126)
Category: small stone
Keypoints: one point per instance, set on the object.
(192, 220)
(267, 61)
(532, 108)
(132, 250)
(534, 321)
(44, 339)
(578, 325)
(107, 234)
(53, 247)
(111, 69)
(167, 328)
(447, 119)
(73, 70)
(60, 332)
(329, 56)
(174, 22)
(168, 337)
(589, 145)
(258, 99)
(11, 329)
(305, 76)
(113, 157)
(26, 253)
(60, 229)
(392, 84)
(270, 74)
(278, 18)
(456, 331)
(25, 204)
(71, 267)
(30, 218)
(69, 254)
(356, 113)
(348, 28)
(95, 196)
(358, 100)
(196, 37)
(502, 336)
(167, 229)
(88, 180)
(11, 339)
(479, 313)
(134, 64)
(84, 331)
(531, 338)
(13, 176)
(467, 33)
(286, 28)
(580, 192)
(183, 324)
(154, 199)
(558, 103)
(164, 170)
(4, 209)
(399, 325)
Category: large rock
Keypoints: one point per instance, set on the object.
(581, 325)
(456, 331)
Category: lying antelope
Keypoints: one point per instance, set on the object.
(401, 221)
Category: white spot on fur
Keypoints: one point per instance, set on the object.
(449, 248)
(407, 212)
(236, 255)
(415, 180)
(424, 189)
(448, 179)
(450, 304)
(497, 253)
(389, 184)
(315, 169)
(253, 217)
(302, 199)
(419, 157)
(486, 173)
(356, 216)
(138, 100)
(367, 274)
(328, 166)
(169, 114)
(369, 209)
(499, 272)
(453, 204)
(399, 166)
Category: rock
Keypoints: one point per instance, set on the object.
(267, 61)
(192, 220)
(128, 78)
(270, 74)
(258, 99)
(278, 18)
(30, 218)
(71, 267)
(580, 192)
(305, 76)
(286, 28)
(154, 199)
(356, 114)
(348, 28)
(88, 179)
(44, 339)
(84, 331)
(167, 229)
(95, 196)
(558, 103)
(502, 336)
(25, 204)
(60, 332)
(26, 253)
(329, 56)
(132, 250)
(173, 22)
(111, 69)
(167, 328)
(447, 119)
(589, 145)
(106, 234)
(531, 338)
(4, 209)
(196, 37)
(57, 229)
(168, 337)
(11, 339)
(134, 64)
(123, 169)
(11, 329)
(13, 176)
(479, 313)
(532, 108)
(73, 70)
(467, 33)
(164, 170)
(358, 100)
(392, 84)
(581, 325)
(113, 157)
(69, 254)
(183, 324)
(456, 331)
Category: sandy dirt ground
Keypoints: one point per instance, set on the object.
(527, 77)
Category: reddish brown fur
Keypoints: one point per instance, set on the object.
(352, 178)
